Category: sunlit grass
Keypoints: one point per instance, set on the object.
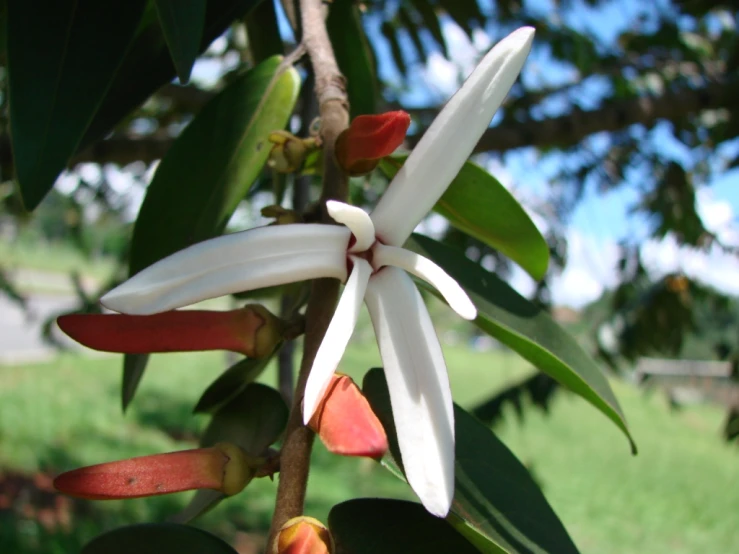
(678, 495)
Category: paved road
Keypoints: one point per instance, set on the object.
(20, 332)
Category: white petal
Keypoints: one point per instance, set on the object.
(448, 142)
(419, 386)
(357, 220)
(337, 337)
(427, 270)
(253, 259)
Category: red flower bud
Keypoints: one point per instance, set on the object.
(223, 467)
(346, 423)
(303, 535)
(370, 138)
(252, 331)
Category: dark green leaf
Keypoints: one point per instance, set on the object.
(211, 166)
(431, 22)
(373, 525)
(182, 23)
(62, 57)
(253, 419)
(354, 56)
(497, 505)
(157, 538)
(411, 28)
(263, 32)
(527, 329)
(463, 12)
(479, 205)
(390, 33)
(133, 370)
(230, 383)
(148, 64)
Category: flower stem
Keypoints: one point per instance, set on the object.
(332, 102)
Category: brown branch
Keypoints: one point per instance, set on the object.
(563, 131)
(614, 115)
(332, 102)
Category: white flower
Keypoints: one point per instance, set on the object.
(370, 245)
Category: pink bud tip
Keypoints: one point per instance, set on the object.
(303, 535)
(346, 423)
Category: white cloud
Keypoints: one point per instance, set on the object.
(591, 266)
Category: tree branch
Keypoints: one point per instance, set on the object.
(333, 109)
(563, 131)
(613, 115)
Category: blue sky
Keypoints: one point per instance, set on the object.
(601, 220)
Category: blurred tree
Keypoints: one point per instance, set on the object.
(618, 94)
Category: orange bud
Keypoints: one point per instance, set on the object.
(252, 331)
(370, 138)
(303, 535)
(222, 467)
(346, 423)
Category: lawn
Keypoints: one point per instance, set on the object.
(678, 495)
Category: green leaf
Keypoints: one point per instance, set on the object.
(405, 19)
(431, 22)
(527, 329)
(212, 164)
(372, 525)
(230, 383)
(62, 57)
(462, 12)
(210, 168)
(182, 23)
(477, 204)
(354, 56)
(253, 419)
(497, 505)
(263, 32)
(157, 538)
(390, 32)
(148, 64)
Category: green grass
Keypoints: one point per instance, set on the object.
(678, 495)
(54, 258)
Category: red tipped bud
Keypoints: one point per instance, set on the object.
(346, 423)
(370, 138)
(223, 467)
(303, 535)
(252, 331)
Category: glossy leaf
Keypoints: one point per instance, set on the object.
(527, 329)
(478, 204)
(212, 165)
(62, 57)
(230, 383)
(372, 525)
(148, 64)
(497, 506)
(354, 56)
(210, 168)
(253, 419)
(182, 23)
(157, 538)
